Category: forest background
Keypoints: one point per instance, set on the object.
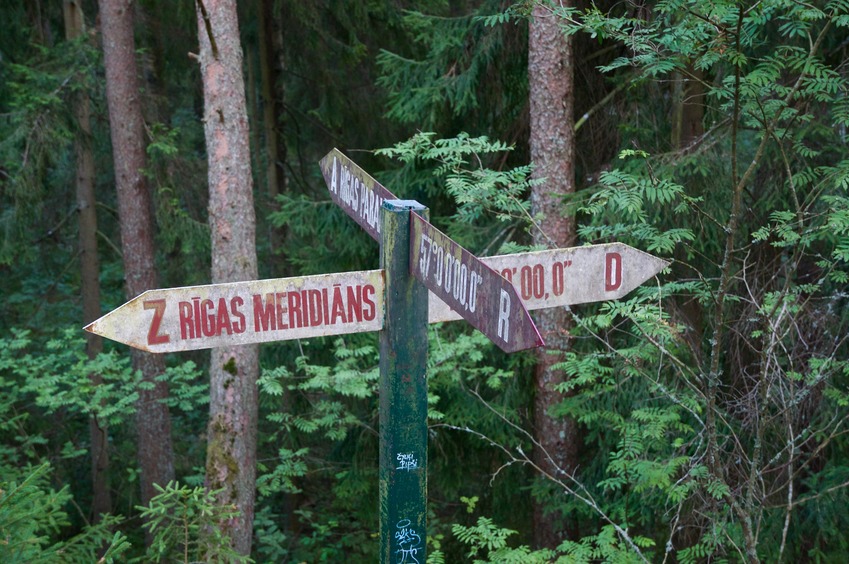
(700, 418)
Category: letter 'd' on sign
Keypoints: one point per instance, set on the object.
(612, 272)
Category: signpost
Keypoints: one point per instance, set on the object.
(490, 293)
(402, 470)
(355, 191)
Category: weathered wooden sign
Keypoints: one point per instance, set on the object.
(561, 277)
(261, 311)
(470, 288)
(258, 311)
(355, 191)
(458, 278)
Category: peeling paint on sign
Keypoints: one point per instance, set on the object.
(562, 277)
(201, 317)
(473, 290)
(355, 191)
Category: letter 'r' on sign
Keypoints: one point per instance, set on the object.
(612, 272)
(504, 316)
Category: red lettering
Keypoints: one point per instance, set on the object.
(296, 320)
(338, 309)
(526, 279)
(223, 318)
(208, 324)
(196, 307)
(305, 305)
(370, 310)
(187, 322)
(325, 304)
(315, 308)
(264, 313)
(539, 281)
(281, 310)
(612, 271)
(235, 304)
(153, 336)
(557, 278)
(355, 307)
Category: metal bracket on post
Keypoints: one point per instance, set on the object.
(403, 393)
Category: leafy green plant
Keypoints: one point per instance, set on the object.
(477, 189)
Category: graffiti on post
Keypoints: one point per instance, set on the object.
(408, 542)
(406, 461)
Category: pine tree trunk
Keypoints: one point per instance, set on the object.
(232, 430)
(688, 108)
(270, 55)
(153, 422)
(552, 145)
(89, 267)
(269, 74)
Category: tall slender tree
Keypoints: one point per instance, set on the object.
(153, 421)
(552, 144)
(269, 48)
(265, 89)
(89, 264)
(232, 430)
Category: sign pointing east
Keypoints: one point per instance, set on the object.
(562, 277)
(201, 317)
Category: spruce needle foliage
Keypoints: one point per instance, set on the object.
(36, 135)
(33, 514)
(183, 521)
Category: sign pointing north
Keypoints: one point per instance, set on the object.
(501, 316)
(470, 288)
(355, 191)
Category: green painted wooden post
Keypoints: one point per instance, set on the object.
(403, 394)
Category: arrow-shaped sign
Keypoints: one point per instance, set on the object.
(238, 313)
(561, 277)
(260, 311)
(355, 191)
(501, 316)
(461, 285)
(474, 291)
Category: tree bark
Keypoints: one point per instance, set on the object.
(89, 267)
(552, 146)
(688, 108)
(275, 179)
(232, 430)
(270, 55)
(153, 422)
